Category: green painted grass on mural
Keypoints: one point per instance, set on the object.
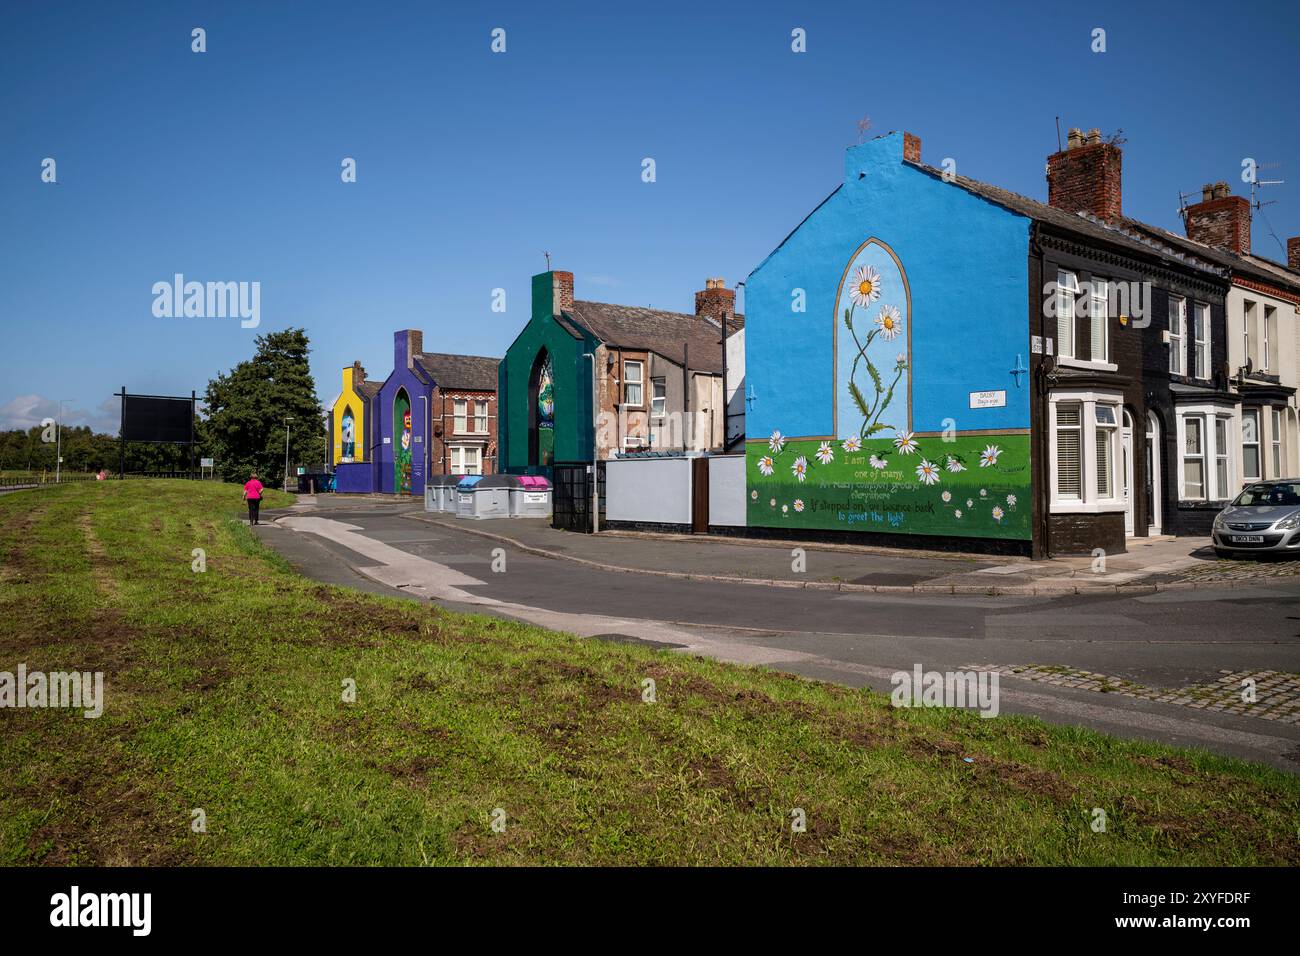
(969, 486)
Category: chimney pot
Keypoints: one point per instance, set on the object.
(1075, 138)
(715, 300)
(1094, 136)
(1207, 192)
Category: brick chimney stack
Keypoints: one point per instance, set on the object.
(1086, 176)
(715, 300)
(1220, 219)
(562, 291)
(911, 148)
(358, 373)
(1293, 253)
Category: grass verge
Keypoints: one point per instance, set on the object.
(225, 694)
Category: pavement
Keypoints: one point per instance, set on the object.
(1150, 564)
(1166, 665)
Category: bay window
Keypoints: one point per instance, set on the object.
(1084, 435)
(466, 460)
(1205, 458)
(1250, 457)
(1277, 444)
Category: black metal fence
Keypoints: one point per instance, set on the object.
(571, 495)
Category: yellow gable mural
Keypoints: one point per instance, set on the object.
(348, 418)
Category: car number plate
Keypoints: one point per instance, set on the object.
(1247, 539)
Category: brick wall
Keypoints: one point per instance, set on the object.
(1081, 534)
(444, 429)
(1220, 219)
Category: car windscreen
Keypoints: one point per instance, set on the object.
(1278, 495)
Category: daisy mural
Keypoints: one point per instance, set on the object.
(873, 346)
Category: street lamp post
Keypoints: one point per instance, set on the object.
(287, 420)
(58, 440)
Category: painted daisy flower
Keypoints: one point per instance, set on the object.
(772, 502)
(766, 466)
(825, 454)
(901, 360)
(1011, 501)
(877, 462)
(946, 496)
(990, 456)
(927, 472)
(984, 492)
(776, 442)
(997, 513)
(866, 286)
(785, 509)
(970, 503)
(957, 513)
(798, 504)
(889, 321)
(851, 445)
(754, 494)
(954, 465)
(800, 468)
(906, 444)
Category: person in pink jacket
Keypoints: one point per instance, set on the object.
(253, 495)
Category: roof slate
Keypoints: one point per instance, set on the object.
(653, 330)
(474, 372)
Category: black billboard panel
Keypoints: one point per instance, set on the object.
(149, 418)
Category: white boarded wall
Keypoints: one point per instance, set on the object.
(727, 490)
(649, 489)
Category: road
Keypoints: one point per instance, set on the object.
(1163, 641)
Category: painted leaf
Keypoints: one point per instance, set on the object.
(875, 377)
(858, 400)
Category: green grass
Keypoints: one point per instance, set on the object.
(224, 693)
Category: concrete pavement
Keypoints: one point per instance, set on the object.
(1160, 641)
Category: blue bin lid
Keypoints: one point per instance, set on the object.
(469, 481)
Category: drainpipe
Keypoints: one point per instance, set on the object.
(595, 455)
(1039, 379)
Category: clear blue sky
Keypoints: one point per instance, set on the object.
(225, 165)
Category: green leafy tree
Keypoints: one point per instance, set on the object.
(244, 429)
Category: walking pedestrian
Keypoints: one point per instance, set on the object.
(253, 495)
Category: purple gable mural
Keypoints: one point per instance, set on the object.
(408, 385)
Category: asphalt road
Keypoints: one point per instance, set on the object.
(1164, 640)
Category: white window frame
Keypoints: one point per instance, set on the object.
(1201, 341)
(658, 403)
(1067, 292)
(1099, 316)
(479, 420)
(1177, 335)
(1275, 441)
(1268, 325)
(459, 459)
(460, 416)
(1091, 501)
(630, 383)
(1210, 453)
(1247, 314)
(1250, 426)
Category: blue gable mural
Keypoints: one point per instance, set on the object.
(881, 342)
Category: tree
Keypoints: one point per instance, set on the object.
(246, 410)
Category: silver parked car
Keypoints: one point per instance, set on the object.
(1264, 517)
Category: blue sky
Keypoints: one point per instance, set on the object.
(224, 166)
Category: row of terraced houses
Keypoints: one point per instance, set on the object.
(926, 360)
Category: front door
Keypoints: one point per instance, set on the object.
(1126, 475)
(700, 495)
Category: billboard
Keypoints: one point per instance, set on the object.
(152, 418)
